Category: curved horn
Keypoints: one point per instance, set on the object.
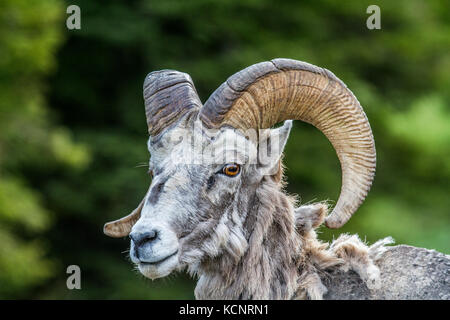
(122, 227)
(168, 96)
(270, 92)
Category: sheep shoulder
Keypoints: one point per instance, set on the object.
(406, 272)
(348, 268)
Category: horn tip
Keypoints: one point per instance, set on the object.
(334, 221)
(110, 230)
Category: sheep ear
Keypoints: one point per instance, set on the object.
(271, 146)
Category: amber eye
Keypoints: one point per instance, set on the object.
(231, 170)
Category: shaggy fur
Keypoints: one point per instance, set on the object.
(243, 237)
(281, 257)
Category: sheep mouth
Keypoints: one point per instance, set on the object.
(155, 263)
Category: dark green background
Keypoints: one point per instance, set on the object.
(73, 131)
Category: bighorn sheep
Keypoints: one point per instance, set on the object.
(230, 223)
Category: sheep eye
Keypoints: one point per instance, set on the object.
(231, 170)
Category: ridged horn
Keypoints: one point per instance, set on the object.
(122, 227)
(270, 92)
(168, 96)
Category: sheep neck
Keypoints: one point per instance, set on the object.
(269, 267)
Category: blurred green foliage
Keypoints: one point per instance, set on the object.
(73, 132)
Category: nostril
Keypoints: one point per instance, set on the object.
(150, 236)
(140, 238)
